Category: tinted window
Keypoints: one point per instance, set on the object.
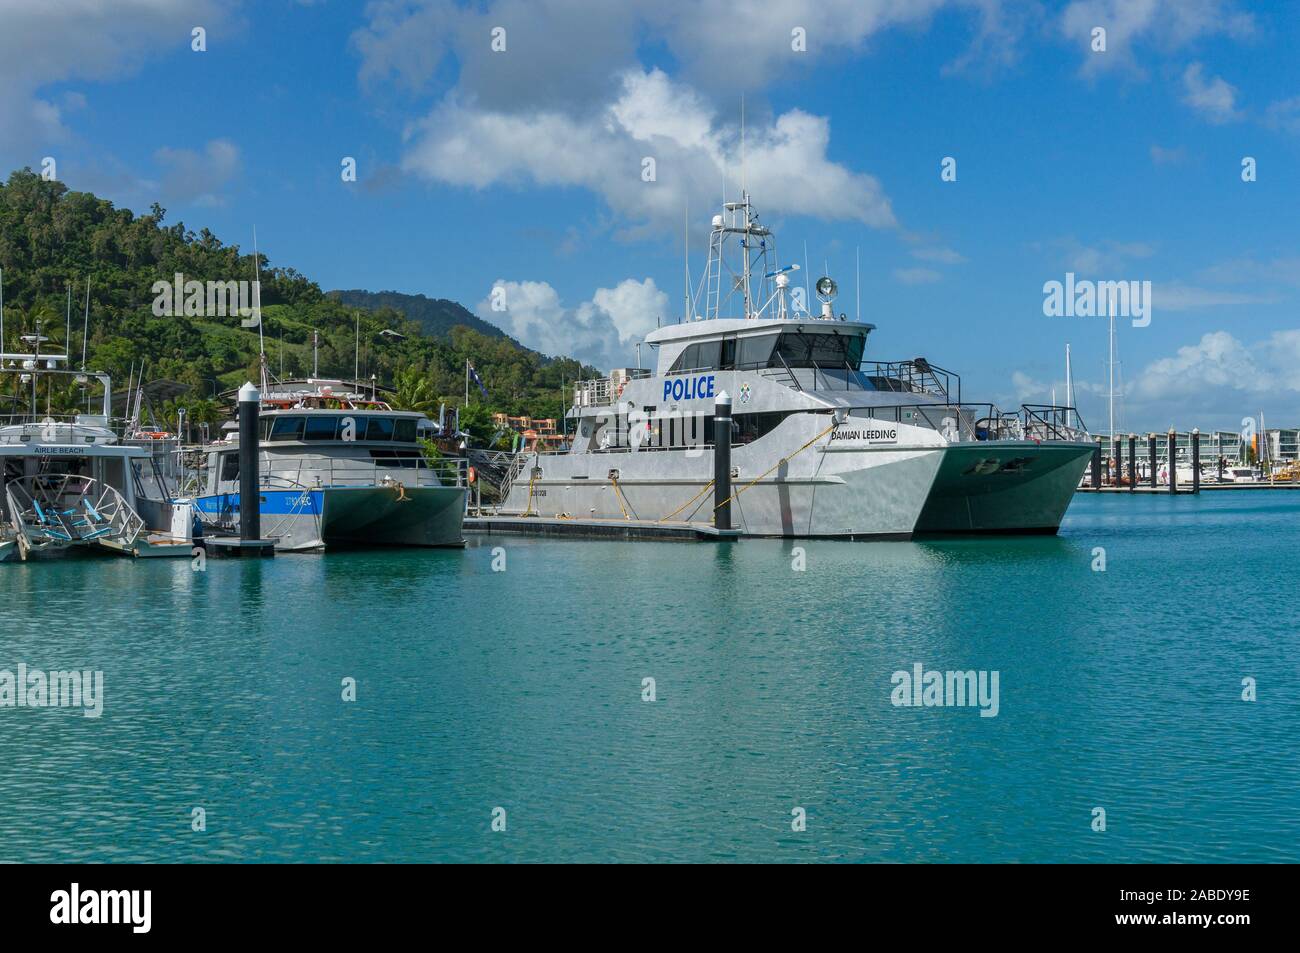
(728, 358)
(230, 467)
(380, 428)
(404, 430)
(800, 349)
(287, 428)
(320, 428)
(710, 353)
(755, 351)
(746, 428)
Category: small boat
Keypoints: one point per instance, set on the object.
(71, 485)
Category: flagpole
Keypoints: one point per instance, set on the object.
(467, 382)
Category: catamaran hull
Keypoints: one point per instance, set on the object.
(1003, 487)
(870, 494)
(312, 520)
(379, 516)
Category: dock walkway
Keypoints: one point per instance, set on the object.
(596, 528)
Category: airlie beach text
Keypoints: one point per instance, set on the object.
(33, 688)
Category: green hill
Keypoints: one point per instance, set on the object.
(437, 316)
(52, 238)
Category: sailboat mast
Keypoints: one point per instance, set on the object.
(1111, 368)
(1069, 380)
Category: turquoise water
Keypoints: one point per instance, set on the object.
(522, 689)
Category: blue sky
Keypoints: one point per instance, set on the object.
(523, 167)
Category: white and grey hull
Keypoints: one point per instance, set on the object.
(304, 521)
(839, 489)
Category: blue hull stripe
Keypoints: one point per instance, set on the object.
(274, 503)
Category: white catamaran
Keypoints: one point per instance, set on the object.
(824, 443)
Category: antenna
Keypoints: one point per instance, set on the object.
(67, 334)
(356, 364)
(743, 195)
(857, 279)
(2, 310)
(85, 327)
(257, 307)
(686, 261)
(1110, 365)
(1069, 379)
(807, 276)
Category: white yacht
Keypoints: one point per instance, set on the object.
(71, 485)
(338, 468)
(824, 442)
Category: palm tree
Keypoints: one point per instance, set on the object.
(414, 391)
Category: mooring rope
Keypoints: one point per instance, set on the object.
(688, 502)
(785, 459)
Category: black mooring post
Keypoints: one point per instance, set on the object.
(1096, 465)
(722, 461)
(1173, 461)
(1196, 460)
(1118, 449)
(1132, 462)
(250, 508)
(1151, 459)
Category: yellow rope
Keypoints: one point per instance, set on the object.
(785, 459)
(531, 480)
(619, 496)
(688, 502)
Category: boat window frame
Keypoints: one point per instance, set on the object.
(276, 423)
(330, 419)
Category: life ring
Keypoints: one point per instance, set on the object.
(472, 475)
(621, 385)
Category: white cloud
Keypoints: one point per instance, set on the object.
(1162, 156)
(942, 256)
(1174, 296)
(1217, 361)
(1218, 379)
(1026, 387)
(1105, 256)
(1284, 114)
(198, 177)
(602, 331)
(1167, 25)
(917, 276)
(44, 43)
(571, 49)
(635, 308)
(1213, 98)
(651, 116)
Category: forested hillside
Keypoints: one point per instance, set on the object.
(436, 316)
(52, 239)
